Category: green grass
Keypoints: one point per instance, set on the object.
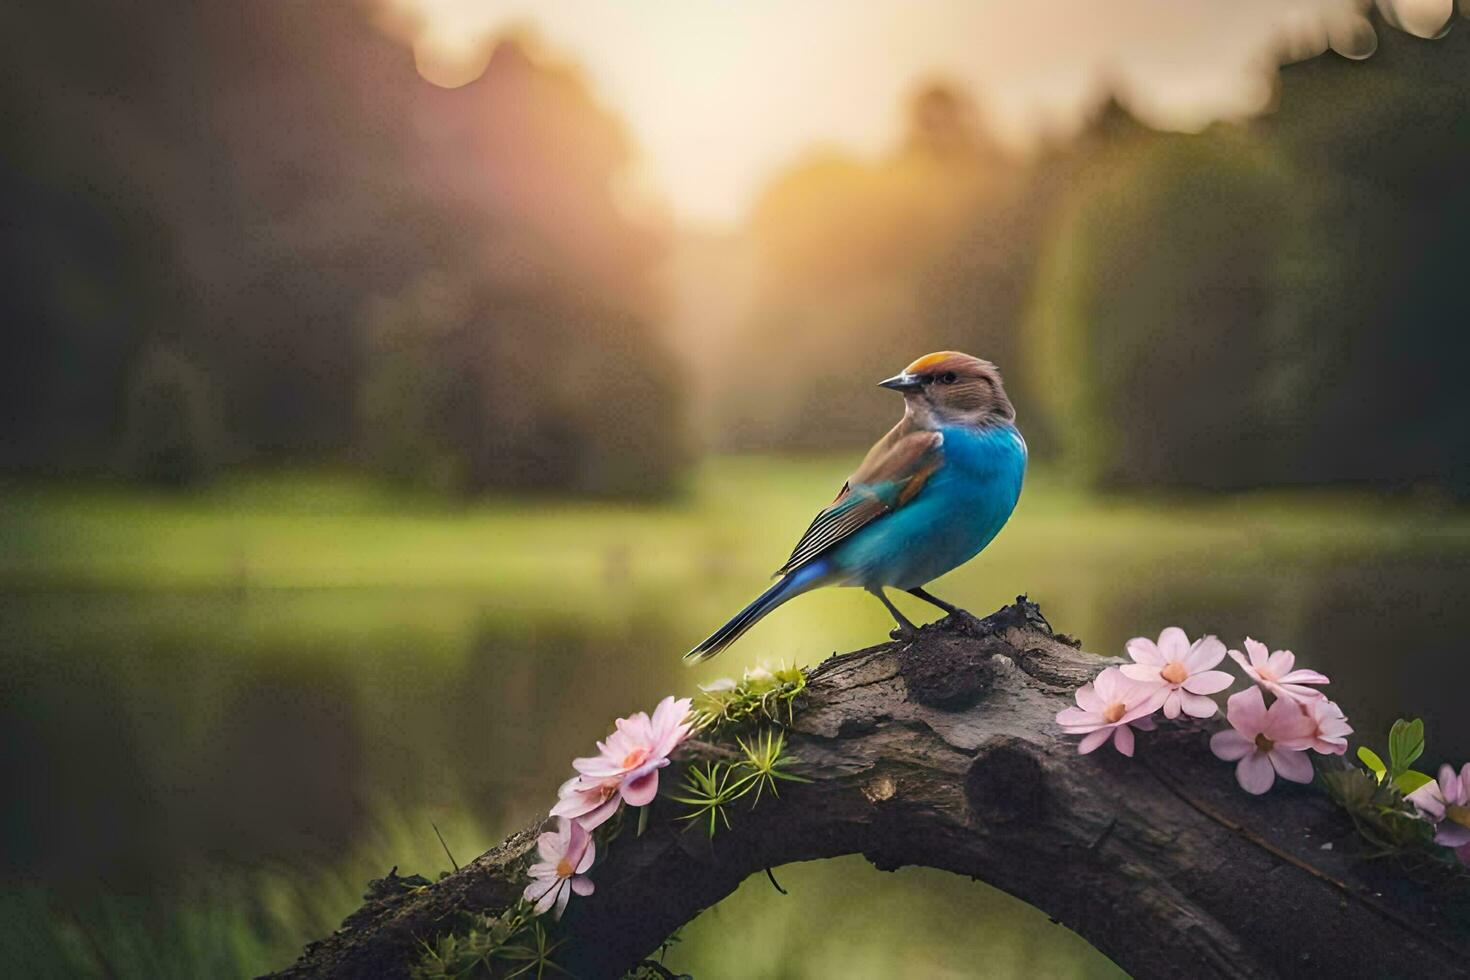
(223, 921)
(694, 560)
(295, 530)
(180, 660)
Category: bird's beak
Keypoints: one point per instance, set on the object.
(902, 382)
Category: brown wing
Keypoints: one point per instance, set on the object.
(893, 471)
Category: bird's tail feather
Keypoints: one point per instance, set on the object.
(789, 587)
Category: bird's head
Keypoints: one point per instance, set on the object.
(953, 388)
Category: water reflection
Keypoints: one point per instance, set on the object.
(254, 757)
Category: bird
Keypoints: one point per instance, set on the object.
(929, 496)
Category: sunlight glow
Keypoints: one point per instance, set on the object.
(720, 95)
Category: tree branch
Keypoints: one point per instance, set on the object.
(942, 751)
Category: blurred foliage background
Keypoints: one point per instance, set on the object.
(223, 250)
(369, 444)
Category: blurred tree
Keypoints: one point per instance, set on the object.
(247, 180)
(1155, 308)
(530, 359)
(1271, 303)
(861, 267)
(170, 436)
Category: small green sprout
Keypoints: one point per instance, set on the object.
(1375, 797)
(766, 761)
(511, 944)
(1405, 746)
(709, 789)
(534, 954)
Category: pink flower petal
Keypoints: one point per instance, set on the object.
(553, 844)
(1144, 724)
(596, 818)
(670, 724)
(573, 806)
(1123, 740)
(1258, 653)
(665, 716)
(1208, 682)
(1094, 739)
(1077, 718)
(578, 842)
(1111, 685)
(635, 729)
(1303, 677)
(1144, 651)
(1143, 673)
(1172, 705)
(1288, 725)
(598, 766)
(1451, 834)
(1430, 800)
(536, 890)
(1246, 711)
(1197, 705)
(1294, 692)
(1087, 698)
(1151, 699)
(585, 800)
(549, 897)
(582, 885)
(1173, 643)
(582, 859)
(1230, 745)
(1280, 663)
(1293, 765)
(1255, 773)
(563, 895)
(1206, 653)
(641, 791)
(1449, 784)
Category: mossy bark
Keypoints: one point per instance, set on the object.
(942, 751)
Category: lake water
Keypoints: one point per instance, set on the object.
(203, 771)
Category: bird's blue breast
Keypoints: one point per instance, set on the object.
(959, 510)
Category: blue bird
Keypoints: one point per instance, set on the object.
(929, 496)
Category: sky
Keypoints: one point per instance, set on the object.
(720, 94)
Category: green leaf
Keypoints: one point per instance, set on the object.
(1370, 759)
(1405, 744)
(1409, 781)
(1353, 789)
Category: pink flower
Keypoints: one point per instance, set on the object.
(1331, 726)
(566, 854)
(1446, 803)
(1268, 743)
(1275, 672)
(633, 755)
(590, 802)
(1182, 668)
(1107, 707)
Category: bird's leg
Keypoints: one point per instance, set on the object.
(955, 611)
(905, 628)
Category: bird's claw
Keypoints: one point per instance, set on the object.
(903, 633)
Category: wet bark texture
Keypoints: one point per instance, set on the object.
(942, 751)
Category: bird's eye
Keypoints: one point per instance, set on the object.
(948, 378)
